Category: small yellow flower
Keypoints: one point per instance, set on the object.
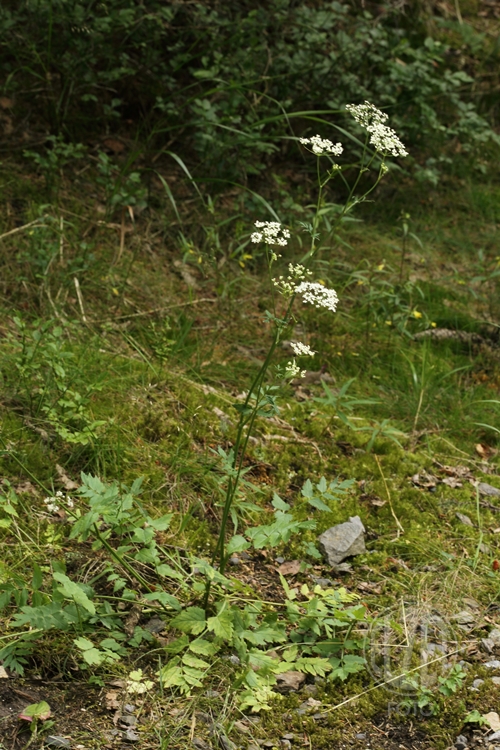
(417, 314)
(381, 267)
(388, 322)
(433, 325)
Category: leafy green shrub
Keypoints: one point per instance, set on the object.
(229, 79)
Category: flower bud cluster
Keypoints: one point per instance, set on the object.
(292, 370)
(321, 146)
(301, 350)
(288, 286)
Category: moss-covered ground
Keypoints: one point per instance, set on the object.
(158, 325)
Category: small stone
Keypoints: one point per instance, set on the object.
(245, 556)
(131, 736)
(200, 744)
(234, 560)
(494, 635)
(234, 659)
(361, 736)
(155, 625)
(487, 644)
(288, 681)
(496, 681)
(463, 618)
(129, 708)
(289, 736)
(464, 519)
(343, 540)
(343, 567)
(488, 490)
(493, 737)
(477, 683)
(212, 693)
(493, 664)
(484, 548)
(310, 690)
(130, 721)
(461, 742)
(286, 744)
(280, 560)
(53, 740)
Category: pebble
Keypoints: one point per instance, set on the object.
(494, 635)
(493, 664)
(488, 644)
(461, 742)
(130, 721)
(343, 540)
(495, 680)
(54, 740)
(129, 708)
(131, 736)
(494, 736)
(286, 744)
(463, 618)
(280, 560)
(361, 736)
(477, 683)
(234, 560)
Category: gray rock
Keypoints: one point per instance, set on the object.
(487, 644)
(200, 744)
(463, 618)
(286, 744)
(212, 694)
(155, 625)
(129, 721)
(461, 742)
(494, 736)
(234, 560)
(343, 567)
(493, 664)
(344, 540)
(488, 490)
(131, 736)
(129, 708)
(477, 683)
(496, 681)
(361, 736)
(464, 519)
(494, 635)
(53, 740)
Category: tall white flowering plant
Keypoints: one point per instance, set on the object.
(298, 286)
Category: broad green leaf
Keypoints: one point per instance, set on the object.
(319, 504)
(172, 676)
(190, 620)
(193, 661)
(72, 590)
(175, 647)
(168, 600)
(83, 643)
(44, 617)
(307, 489)
(203, 647)
(221, 625)
(36, 711)
(162, 523)
(279, 504)
(236, 544)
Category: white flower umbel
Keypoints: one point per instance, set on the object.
(51, 504)
(366, 114)
(301, 350)
(382, 138)
(292, 370)
(321, 146)
(270, 232)
(318, 295)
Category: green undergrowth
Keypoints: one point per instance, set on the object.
(135, 370)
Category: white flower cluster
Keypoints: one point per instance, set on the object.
(318, 295)
(382, 138)
(51, 502)
(292, 370)
(271, 232)
(320, 146)
(301, 350)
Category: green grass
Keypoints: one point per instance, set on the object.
(169, 360)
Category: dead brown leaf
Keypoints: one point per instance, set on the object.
(424, 480)
(290, 680)
(290, 568)
(66, 482)
(111, 700)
